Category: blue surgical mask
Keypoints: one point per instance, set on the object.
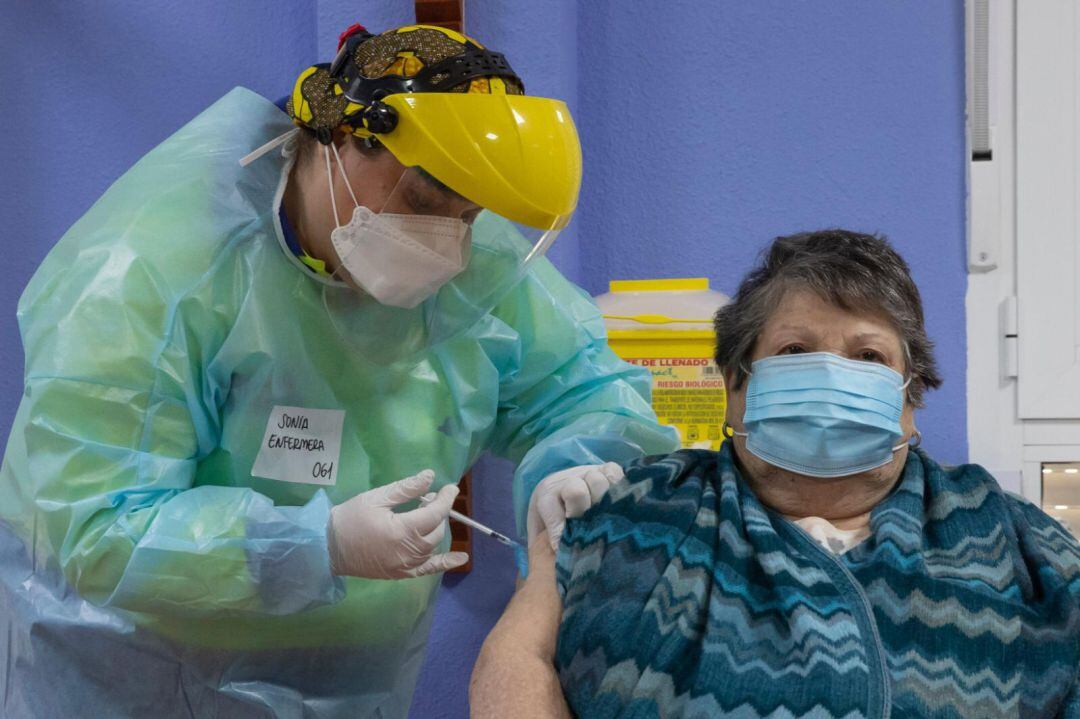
(822, 415)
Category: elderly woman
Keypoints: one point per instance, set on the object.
(818, 565)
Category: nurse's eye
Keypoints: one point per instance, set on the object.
(872, 356)
(421, 205)
(426, 203)
(793, 349)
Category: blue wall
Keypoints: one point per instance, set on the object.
(708, 128)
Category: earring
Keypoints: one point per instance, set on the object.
(727, 430)
(918, 440)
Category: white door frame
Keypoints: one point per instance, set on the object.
(1011, 448)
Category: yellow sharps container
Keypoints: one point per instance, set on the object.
(666, 326)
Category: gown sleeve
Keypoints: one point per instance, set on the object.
(566, 399)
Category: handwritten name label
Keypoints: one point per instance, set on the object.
(290, 421)
(300, 445)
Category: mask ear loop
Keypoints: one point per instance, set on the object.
(917, 434)
(918, 441)
(341, 169)
(330, 183)
(726, 429)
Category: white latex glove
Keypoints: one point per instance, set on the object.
(568, 494)
(368, 539)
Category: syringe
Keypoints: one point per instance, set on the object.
(458, 516)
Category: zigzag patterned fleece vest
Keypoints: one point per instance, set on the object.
(685, 597)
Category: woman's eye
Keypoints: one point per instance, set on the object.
(793, 350)
(872, 356)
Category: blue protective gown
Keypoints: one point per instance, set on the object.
(144, 568)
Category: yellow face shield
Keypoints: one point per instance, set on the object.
(515, 155)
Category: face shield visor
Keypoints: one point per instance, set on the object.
(489, 182)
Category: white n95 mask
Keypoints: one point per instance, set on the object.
(398, 259)
(401, 260)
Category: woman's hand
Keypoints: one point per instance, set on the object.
(515, 675)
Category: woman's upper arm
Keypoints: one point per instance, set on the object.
(515, 672)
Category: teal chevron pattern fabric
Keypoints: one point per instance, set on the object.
(685, 597)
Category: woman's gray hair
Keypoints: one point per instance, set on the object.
(852, 270)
